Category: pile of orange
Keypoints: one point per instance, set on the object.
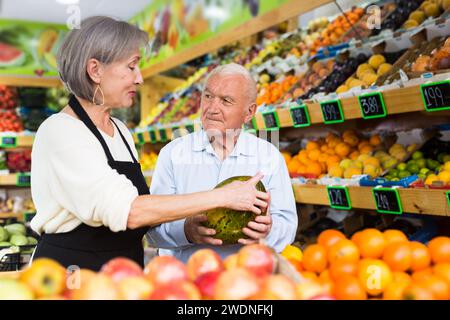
(270, 93)
(337, 28)
(324, 155)
(377, 265)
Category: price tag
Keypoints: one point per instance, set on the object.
(23, 179)
(176, 132)
(387, 200)
(332, 112)
(140, 137)
(255, 126)
(300, 116)
(162, 135)
(448, 198)
(8, 142)
(339, 198)
(372, 105)
(271, 120)
(152, 135)
(436, 95)
(190, 128)
(28, 216)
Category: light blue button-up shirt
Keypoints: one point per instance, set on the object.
(189, 164)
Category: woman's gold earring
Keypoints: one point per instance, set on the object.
(95, 93)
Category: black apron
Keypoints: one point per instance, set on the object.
(91, 247)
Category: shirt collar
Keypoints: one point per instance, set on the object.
(244, 146)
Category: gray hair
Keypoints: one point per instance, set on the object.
(236, 69)
(103, 38)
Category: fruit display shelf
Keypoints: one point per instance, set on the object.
(15, 179)
(29, 81)
(16, 141)
(396, 101)
(164, 133)
(413, 200)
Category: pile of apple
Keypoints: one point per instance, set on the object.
(248, 274)
(10, 122)
(19, 161)
(8, 97)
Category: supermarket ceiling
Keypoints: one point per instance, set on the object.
(58, 11)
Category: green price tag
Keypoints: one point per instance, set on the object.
(28, 216)
(372, 105)
(162, 135)
(8, 142)
(271, 120)
(255, 126)
(339, 198)
(387, 200)
(332, 111)
(23, 179)
(300, 116)
(140, 137)
(436, 95)
(190, 128)
(448, 197)
(175, 132)
(152, 135)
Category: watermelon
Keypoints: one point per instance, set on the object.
(228, 223)
(10, 56)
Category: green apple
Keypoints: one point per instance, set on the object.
(403, 174)
(401, 166)
(14, 290)
(417, 155)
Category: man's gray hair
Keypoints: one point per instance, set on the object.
(103, 38)
(236, 69)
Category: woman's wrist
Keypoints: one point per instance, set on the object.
(221, 197)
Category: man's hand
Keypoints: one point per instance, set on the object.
(257, 229)
(196, 233)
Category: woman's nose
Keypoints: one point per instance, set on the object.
(139, 79)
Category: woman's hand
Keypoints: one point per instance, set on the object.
(243, 196)
(196, 233)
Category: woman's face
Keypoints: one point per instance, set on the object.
(119, 81)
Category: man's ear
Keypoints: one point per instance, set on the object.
(94, 70)
(250, 112)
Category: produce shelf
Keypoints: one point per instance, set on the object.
(15, 179)
(165, 134)
(16, 141)
(29, 81)
(414, 200)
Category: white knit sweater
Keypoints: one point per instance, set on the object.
(71, 181)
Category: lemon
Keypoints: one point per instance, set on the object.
(292, 252)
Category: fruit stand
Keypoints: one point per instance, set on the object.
(361, 116)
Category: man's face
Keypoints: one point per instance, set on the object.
(225, 103)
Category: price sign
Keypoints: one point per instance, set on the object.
(175, 132)
(28, 216)
(436, 95)
(271, 120)
(162, 135)
(190, 128)
(23, 179)
(387, 200)
(448, 198)
(300, 116)
(372, 105)
(140, 138)
(9, 142)
(152, 135)
(338, 196)
(332, 112)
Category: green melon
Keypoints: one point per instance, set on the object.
(228, 223)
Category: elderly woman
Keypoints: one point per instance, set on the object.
(92, 200)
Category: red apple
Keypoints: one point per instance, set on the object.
(99, 287)
(230, 262)
(183, 290)
(256, 258)
(206, 283)
(236, 284)
(203, 261)
(135, 288)
(163, 270)
(45, 277)
(77, 280)
(277, 287)
(119, 268)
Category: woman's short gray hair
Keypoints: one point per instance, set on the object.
(102, 38)
(236, 69)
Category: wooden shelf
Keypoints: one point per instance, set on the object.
(30, 81)
(397, 101)
(284, 12)
(414, 200)
(21, 141)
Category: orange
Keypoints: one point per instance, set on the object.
(398, 256)
(420, 257)
(422, 274)
(394, 290)
(301, 169)
(356, 237)
(415, 291)
(314, 168)
(332, 159)
(354, 155)
(287, 157)
(374, 275)
(341, 268)
(325, 276)
(307, 275)
(442, 270)
(324, 148)
(329, 237)
(314, 154)
(323, 158)
(311, 145)
(375, 140)
(293, 166)
(342, 149)
(371, 243)
(437, 286)
(401, 277)
(363, 144)
(349, 288)
(351, 140)
(315, 258)
(393, 235)
(343, 250)
(327, 286)
(349, 133)
(439, 249)
(366, 149)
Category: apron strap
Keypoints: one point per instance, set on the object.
(125, 141)
(82, 114)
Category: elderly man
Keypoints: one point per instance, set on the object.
(199, 161)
